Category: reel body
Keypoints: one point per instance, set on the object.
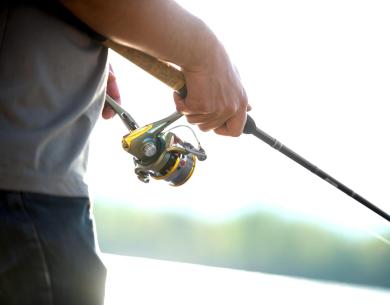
(159, 154)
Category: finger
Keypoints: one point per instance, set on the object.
(222, 130)
(201, 118)
(212, 124)
(180, 104)
(188, 107)
(112, 90)
(234, 126)
(245, 98)
(107, 112)
(112, 87)
(208, 127)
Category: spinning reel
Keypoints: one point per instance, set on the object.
(159, 154)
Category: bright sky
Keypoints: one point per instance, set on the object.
(317, 74)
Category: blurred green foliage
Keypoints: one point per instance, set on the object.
(255, 241)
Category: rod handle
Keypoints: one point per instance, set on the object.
(161, 70)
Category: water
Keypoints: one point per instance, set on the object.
(143, 281)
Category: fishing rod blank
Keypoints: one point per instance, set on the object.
(250, 128)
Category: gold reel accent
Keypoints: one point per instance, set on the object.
(181, 171)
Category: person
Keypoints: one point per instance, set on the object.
(53, 79)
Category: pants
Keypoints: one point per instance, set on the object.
(47, 251)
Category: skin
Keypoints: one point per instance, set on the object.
(113, 91)
(216, 99)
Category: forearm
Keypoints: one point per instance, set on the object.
(160, 28)
(216, 99)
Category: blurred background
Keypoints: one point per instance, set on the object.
(317, 75)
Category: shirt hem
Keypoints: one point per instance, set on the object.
(59, 186)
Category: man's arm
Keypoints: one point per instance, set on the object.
(216, 99)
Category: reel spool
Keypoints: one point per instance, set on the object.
(158, 154)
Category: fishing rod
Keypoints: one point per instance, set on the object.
(174, 78)
(250, 128)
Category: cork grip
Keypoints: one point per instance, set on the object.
(163, 71)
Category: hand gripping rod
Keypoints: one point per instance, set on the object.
(174, 78)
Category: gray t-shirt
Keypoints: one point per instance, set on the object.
(52, 87)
